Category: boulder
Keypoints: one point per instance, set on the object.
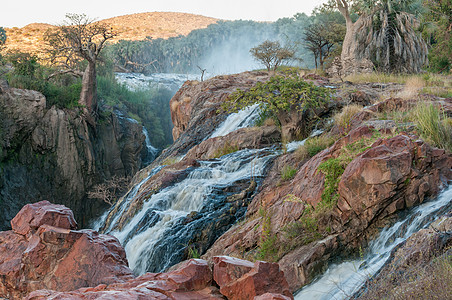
(42, 251)
(240, 279)
(32, 216)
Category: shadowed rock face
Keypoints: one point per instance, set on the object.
(55, 154)
(44, 257)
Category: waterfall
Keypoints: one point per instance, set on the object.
(152, 152)
(342, 280)
(157, 236)
(244, 118)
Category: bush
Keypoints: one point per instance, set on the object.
(288, 172)
(279, 94)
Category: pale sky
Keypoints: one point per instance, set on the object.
(18, 13)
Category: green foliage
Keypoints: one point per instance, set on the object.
(271, 54)
(2, 36)
(288, 172)
(433, 124)
(438, 32)
(333, 169)
(312, 146)
(268, 248)
(279, 94)
(148, 106)
(62, 91)
(193, 252)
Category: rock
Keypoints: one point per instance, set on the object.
(395, 173)
(52, 153)
(32, 216)
(251, 138)
(262, 278)
(37, 255)
(271, 296)
(228, 269)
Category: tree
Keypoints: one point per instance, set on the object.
(2, 36)
(321, 38)
(439, 34)
(80, 39)
(385, 33)
(271, 54)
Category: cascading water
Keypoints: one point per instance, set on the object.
(342, 280)
(244, 118)
(157, 236)
(152, 152)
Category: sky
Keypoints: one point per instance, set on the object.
(18, 13)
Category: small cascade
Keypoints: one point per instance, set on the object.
(152, 152)
(169, 220)
(292, 146)
(343, 280)
(244, 118)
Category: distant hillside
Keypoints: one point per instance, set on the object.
(131, 27)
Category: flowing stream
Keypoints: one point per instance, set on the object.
(157, 236)
(244, 118)
(342, 280)
(152, 152)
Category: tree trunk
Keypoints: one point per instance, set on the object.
(88, 95)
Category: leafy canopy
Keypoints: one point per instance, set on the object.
(280, 93)
(271, 54)
(2, 36)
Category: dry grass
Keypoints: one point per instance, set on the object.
(412, 87)
(433, 281)
(343, 118)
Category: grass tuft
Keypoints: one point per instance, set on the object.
(343, 118)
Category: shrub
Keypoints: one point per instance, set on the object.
(279, 94)
(288, 172)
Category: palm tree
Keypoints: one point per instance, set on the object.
(385, 33)
(388, 37)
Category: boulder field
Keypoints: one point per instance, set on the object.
(44, 256)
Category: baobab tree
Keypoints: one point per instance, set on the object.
(78, 39)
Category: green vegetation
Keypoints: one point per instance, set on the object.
(2, 36)
(278, 95)
(62, 91)
(193, 252)
(433, 124)
(268, 248)
(271, 54)
(312, 146)
(288, 172)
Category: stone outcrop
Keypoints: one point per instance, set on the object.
(44, 250)
(45, 257)
(51, 153)
(396, 172)
(195, 108)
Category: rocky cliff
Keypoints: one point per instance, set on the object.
(55, 154)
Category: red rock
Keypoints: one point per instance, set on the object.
(193, 274)
(57, 258)
(263, 278)
(271, 296)
(31, 216)
(228, 269)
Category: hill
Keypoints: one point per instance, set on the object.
(131, 27)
